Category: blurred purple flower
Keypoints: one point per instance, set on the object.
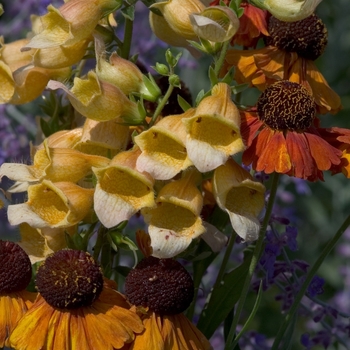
(315, 286)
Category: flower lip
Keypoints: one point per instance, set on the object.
(163, 285)
(286, 105)
(69, 279)
(15, 270)
(308, 37)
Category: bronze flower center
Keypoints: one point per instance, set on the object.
(69, 279)
(163, 285)
(308, 37)
(286, 106)
(15, 268)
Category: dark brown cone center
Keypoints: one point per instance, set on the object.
(286, 106)
(308, 37)
(163, 285)
(69, 279)
(15, 268)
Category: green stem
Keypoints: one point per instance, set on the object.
(221, 58)
(128, 29)
(99, 241)
(226, 258)
(254, 261)
(161, 105)
(329, 247)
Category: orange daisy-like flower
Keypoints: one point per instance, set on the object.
(291, 50)
(163, 289)
(340, 139)
(75, 309)
(15, 275)
(281, 134)
(252, 24)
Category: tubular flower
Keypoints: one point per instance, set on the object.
(54, 164)
(98, 100)
(62, 139)
(40, 243)
(241, 197)
(60, 204)
(213, 133)
(289, 10)
(75, 308)
(15, 275)
(121, 190)
(167, 290)
(216, 24)
(21, 82)
(163, 147)
(164, 32)
(176, 219)
(252, 25)
(73, 22)
(281, 134)
(177, 14)
(103, 138)
(292, 49)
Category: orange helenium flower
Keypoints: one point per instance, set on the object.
(15, 275)
(75, 309)
(290, 54)
(281, 134)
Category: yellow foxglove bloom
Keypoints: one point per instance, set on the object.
(98, 100)
(60, 204)
(121, 190)
(176, 219)
(164, 32)
(62, 139)
(40, 243)
(213, 133)
(54, 164)
(163, 147)
(241, 197)
(103, 138)
(216, 23)
(288, 10)
(20, 81)
(177, 14)
(73, 22)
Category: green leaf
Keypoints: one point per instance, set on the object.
(251, 316)
(45, 127)
(128, 12)
(183, 103)
(212, 76)
(223, 298)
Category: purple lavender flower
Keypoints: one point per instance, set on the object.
(315, 286)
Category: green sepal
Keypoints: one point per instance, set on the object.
(183, 103)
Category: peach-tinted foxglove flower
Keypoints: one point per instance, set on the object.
(176, 221)
(216, 23)
(54, 164)
(241, 197)
(60, 204)
(163, 147)
(20, 81)
(73, 22)
(213, 133)
(289, 10)
(39, 243)
(177, 14)
(99, 100)
(122, 190)
(103, 138)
